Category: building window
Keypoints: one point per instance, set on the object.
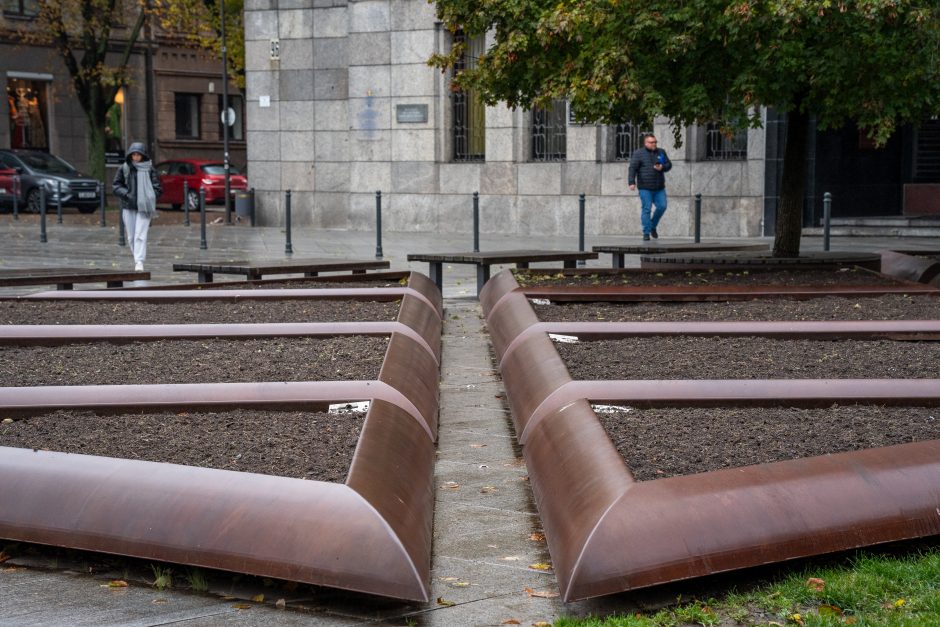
(187, 116)
(29, 114)
(927, 152)
(549, 125)
(469, 111)
(237, 130)
(721, 147)
(24, 8)
(628, 138)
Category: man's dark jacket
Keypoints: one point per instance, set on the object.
(642, 173)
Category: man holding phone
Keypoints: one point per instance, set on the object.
(648, 166)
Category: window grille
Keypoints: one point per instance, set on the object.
(21, 8)
(549, 126)
(719, 147)
(927, 152)
(628, 139)
(469, 111)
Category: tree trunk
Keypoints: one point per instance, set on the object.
(789, 225)
(96, 146)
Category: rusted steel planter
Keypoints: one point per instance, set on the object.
(371, 535)
(911, 267)
(608, 533)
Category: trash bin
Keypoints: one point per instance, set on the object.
(242, 204)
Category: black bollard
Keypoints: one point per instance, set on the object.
(288, 247)
(122, 234)
(251, 197)
(476, 222)
(378, 225)
(185, 203)
(698, 218)
(17, 187)
(42, 214)
(203, 244)
(827, 218)
(58, 191)
(581, 262)
(102, 203)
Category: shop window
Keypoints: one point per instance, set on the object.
(237, 130)
(21, 8)
(469, 111)
(187, 116)
(29, 113)
(549, 128)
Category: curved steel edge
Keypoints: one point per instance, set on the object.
(411, 370)
(393, 469)
(426, 288)
(532, 373)
(705, 293)
(909, 267)
(494, 289)
(510, 318)
(308, 531)
(416, 315)
(684, 527)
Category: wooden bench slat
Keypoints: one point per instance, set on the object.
(67, 276)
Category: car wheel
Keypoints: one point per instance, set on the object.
(33, 201)
(193, 198)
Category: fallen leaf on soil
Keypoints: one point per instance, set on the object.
(796, 619)
(829, 610)
(511, 558)
(542, 594)
(540, 566)
(450, 485)
(117, 583)
(280, 604)
(448, 579)
(510, 621)
(258, 598)
(460, 584)
(814, 583)
(4, 556)
(158, 601)
(541, 623)
(242, 606)
(488, 489)
(444, 602)
(478, 446)
(537, 537)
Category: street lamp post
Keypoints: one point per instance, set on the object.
(225, 120)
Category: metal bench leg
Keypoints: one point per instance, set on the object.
(205, 277)
(436, 272)
(64, 286)
(115, 283)
(522, 265)
(358, 271)
(252, 276)
(483, 275)
(571, 263)
(311, 274)
(617, 259)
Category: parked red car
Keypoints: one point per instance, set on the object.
(201, 174)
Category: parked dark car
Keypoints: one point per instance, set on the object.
(40, 169)
(9, 185)
(201, 174)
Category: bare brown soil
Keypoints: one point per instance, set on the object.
(643, 278)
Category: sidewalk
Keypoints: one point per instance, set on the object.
(486, 528)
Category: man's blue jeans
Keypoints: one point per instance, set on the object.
(648, 198)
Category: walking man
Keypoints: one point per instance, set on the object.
(648, 166)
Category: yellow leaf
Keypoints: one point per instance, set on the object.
(242, 606)
(448, 579)
(460, 584)
(541, 623)
(542, 594)
(540, 566)
(510, 621)
(258, 598)
(117, 583)
(444, 602)
(830, 610)
(899, 603)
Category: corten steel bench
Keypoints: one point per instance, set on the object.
(483, 261)
(65, 278)
(618, 252)
(254, 270)
(608, 533)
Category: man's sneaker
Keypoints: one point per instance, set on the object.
(646, 237)
(138, 267)
(654, 234)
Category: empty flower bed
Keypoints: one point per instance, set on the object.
(730, 442)
(244, 470)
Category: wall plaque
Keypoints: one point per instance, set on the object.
(411, 113)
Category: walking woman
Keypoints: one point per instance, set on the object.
(138, 186)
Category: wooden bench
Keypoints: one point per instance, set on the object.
(483, 261)
(618, 252)
(254, 270)
(66, 278)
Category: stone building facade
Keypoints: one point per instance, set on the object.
(341, 103)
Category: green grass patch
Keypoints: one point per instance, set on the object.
(869, 589)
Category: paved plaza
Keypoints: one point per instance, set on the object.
(486, 528)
